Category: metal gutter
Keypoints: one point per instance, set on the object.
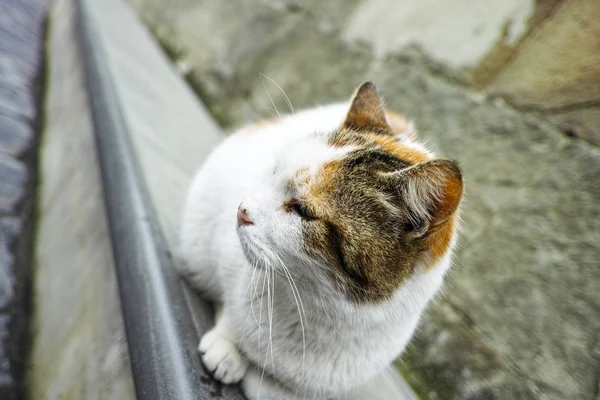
(162, 332)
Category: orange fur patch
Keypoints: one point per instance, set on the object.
(257, 126)
(440, 239)
(323, 185)
(399, 125)
(439, 242)
(300, 178)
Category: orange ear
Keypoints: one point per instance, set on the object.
(366, 110)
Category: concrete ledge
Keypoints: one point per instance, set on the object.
(78, 350)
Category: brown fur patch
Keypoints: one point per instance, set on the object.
(403, 152)
(388, 143)
(324, 180)
(368, 248)
(366, 215)
(364, 228)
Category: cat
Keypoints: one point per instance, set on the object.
(321, 236)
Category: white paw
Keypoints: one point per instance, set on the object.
(222, 358)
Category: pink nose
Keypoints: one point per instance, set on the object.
(242, 216)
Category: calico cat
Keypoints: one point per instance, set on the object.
(321, 236)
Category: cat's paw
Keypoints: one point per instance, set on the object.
(222, 358)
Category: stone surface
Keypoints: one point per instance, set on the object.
(541, 56)
(21, 40)
(557, 70)
(458, 34)
(520, 314)
(563, 52)
(78, 348)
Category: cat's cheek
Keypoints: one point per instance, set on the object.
(287, 233)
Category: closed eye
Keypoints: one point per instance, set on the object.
(300, 208)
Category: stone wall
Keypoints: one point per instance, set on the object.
(520, 316)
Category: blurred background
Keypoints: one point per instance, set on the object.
(509, 88)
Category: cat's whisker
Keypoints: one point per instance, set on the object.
(271, 320)
(270, 98)
(268, 268)
(254, 296)
(251, 279)
(251, 308)
(374, 292)
(271, 289)
(287, 99)
(262, 291)
(302, 316)
(299, 306)
(260, 329)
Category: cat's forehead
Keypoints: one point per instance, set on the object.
(341, 161)
(353, 160)
(304, 159)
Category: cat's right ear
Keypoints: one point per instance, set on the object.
(366, 109)
(432, 191)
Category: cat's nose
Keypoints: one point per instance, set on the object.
(242, 216)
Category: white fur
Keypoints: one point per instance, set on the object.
(310, 339)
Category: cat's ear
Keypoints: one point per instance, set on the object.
(432, 191)
(366, 109)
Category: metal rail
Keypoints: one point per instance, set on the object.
(161, 335)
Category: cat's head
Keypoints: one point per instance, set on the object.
(364, 206)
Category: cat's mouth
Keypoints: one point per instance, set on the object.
(257, 253)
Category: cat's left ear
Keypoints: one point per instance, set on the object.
(366, 109)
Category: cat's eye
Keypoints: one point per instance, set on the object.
(417, 228)
(299, 207)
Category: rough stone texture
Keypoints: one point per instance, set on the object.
(21, 41)
(557, 70)
(542, 56)
(458, 33)
(78, 346)
(520, 316)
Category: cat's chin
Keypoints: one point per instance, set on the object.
(250, 249)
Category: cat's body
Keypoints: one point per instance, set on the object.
(320, 318)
